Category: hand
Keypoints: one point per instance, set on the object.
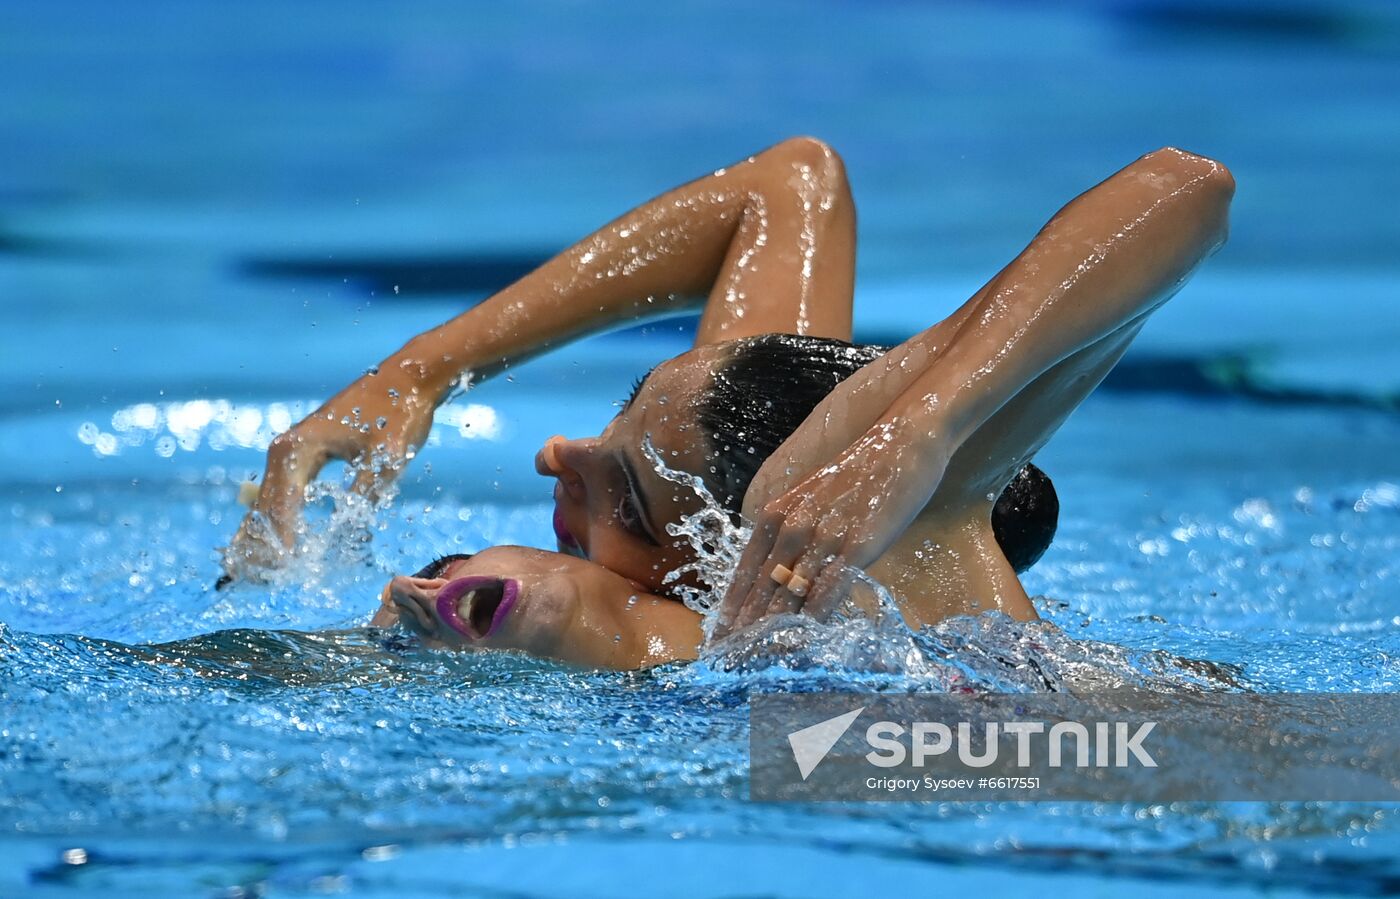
(840, 518)
(375, 424)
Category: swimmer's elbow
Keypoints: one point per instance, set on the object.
(1204, 185)
(1210, 173)
(817, 158)
(1224, 181)
(813, 151)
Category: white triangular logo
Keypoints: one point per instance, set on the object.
(811, 744)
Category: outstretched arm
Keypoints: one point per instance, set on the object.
(871, 457)
(766, 245)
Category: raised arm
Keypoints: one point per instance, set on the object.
(766, 245)
(871, 457)
(750, 240)
(1111, 257)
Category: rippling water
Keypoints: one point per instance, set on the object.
(206, 217)
(262, 737)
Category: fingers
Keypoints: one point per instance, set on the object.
(336, 430)
(788, 566)
(794, 593)
(372, 477)
(777, 570)
(787, 595)
(763, 596)
(797, 585)
(291, 465)
(746, 575)
(791, 593)
(270, 530)
(831, 589)
(779, 538)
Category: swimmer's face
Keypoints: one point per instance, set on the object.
(543, 603)
(612, 507)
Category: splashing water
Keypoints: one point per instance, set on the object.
(271, 739)
(334, 532)
(986, 652)
(712, 533)
(718, 542)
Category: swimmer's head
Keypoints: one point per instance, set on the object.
(766, 386)
(760, 392)
(1025, 517)
(611, 504)
(718, 412)
(546, 604)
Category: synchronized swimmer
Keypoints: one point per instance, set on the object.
(910, 463)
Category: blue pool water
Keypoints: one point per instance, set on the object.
(210, 220)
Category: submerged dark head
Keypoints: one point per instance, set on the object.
(766, 387)
(1025, 517)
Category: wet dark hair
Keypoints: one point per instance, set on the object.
(766, 386)
(435, 568)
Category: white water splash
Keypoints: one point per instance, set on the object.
(718, 543)
(987, 652)
(335, 530)
(711, 532)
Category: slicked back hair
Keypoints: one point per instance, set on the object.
(765, 387)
